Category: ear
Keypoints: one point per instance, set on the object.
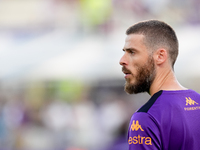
(160, 56)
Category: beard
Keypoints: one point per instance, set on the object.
(143, 79)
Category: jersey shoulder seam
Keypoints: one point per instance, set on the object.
(150, 102)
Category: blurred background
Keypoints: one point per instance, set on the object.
(61, 86)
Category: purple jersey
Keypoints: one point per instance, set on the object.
(168, 121)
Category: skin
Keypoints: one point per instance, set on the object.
(136, 55)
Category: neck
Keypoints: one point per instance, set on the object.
(165, 80)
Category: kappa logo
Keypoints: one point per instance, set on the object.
(136, 126)
(189, 101)
(191, 105)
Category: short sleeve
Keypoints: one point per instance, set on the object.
(143, 132)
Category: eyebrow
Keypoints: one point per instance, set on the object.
(129, 49)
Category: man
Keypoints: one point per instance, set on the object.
(170, 119)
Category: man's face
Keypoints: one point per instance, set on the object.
(137, 65)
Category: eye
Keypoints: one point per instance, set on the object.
(131, 52)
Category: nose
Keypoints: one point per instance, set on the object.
(123, 61)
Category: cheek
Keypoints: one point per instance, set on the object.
(135, 67)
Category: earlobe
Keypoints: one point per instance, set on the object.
(160, 56)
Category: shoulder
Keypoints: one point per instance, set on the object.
(142, 120)
(143, 132)
(164, 100)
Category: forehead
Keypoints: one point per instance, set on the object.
(135, 41)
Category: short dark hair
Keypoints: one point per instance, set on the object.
(157, 34)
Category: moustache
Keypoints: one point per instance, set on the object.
(125, 70)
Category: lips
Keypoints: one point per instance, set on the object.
(126, 71)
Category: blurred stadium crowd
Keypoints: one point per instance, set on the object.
(66, 113)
